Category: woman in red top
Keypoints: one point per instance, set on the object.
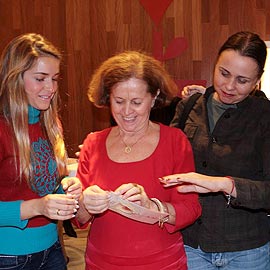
(124, 162)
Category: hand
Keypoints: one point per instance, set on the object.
(190, 90)
(77, 154)
(134, 193)
(95, 200)
(73, 186)
(195, 182)
(53, 206)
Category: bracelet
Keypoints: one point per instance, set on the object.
(161, 209)
(229, 196)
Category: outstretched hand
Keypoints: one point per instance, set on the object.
(195, 182)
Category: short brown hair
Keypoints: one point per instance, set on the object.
(126, 65)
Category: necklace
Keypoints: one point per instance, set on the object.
(128, 148)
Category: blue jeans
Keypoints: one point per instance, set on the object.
(257, 258)
(49, 259)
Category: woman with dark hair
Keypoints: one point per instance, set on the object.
(229, 130)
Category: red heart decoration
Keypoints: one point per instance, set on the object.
(157, 45)
(156, 8)
(175, 48)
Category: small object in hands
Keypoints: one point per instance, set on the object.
(58, 212)
(170, 182)
(133, 210)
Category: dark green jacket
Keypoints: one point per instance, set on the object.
(239, 146)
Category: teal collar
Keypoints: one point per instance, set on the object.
(33, 115)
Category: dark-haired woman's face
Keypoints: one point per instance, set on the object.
(235, 76)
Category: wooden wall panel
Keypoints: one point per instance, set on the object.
(90, 31)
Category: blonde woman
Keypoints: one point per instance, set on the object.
(32, 157)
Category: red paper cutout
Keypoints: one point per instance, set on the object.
(175, 48)
(157, 45)
(156, 8)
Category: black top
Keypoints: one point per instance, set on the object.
(239, 146)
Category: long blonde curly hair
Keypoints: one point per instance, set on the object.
(18, 56)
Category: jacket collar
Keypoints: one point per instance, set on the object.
(245, 102)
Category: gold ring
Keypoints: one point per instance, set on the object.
(58, 212)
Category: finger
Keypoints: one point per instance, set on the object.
(185, 93)
(75, 189)
(96, 199)
(93, 196)
(192, 188)
(96, 208)
(64, 184)
(67, 199)
(76, 194)
(134, 191)
(70, 182)
(64, 215)
(133, 197)
(171, 184)
(167, 182)
(186, 188)
(124, 188)
(66, 209)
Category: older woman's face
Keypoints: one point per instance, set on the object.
(131, 104)
(235, 76)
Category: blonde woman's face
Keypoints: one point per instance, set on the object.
(41, 82)
(131, 104)
(235, 76)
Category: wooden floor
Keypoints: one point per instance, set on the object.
(75, 248)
